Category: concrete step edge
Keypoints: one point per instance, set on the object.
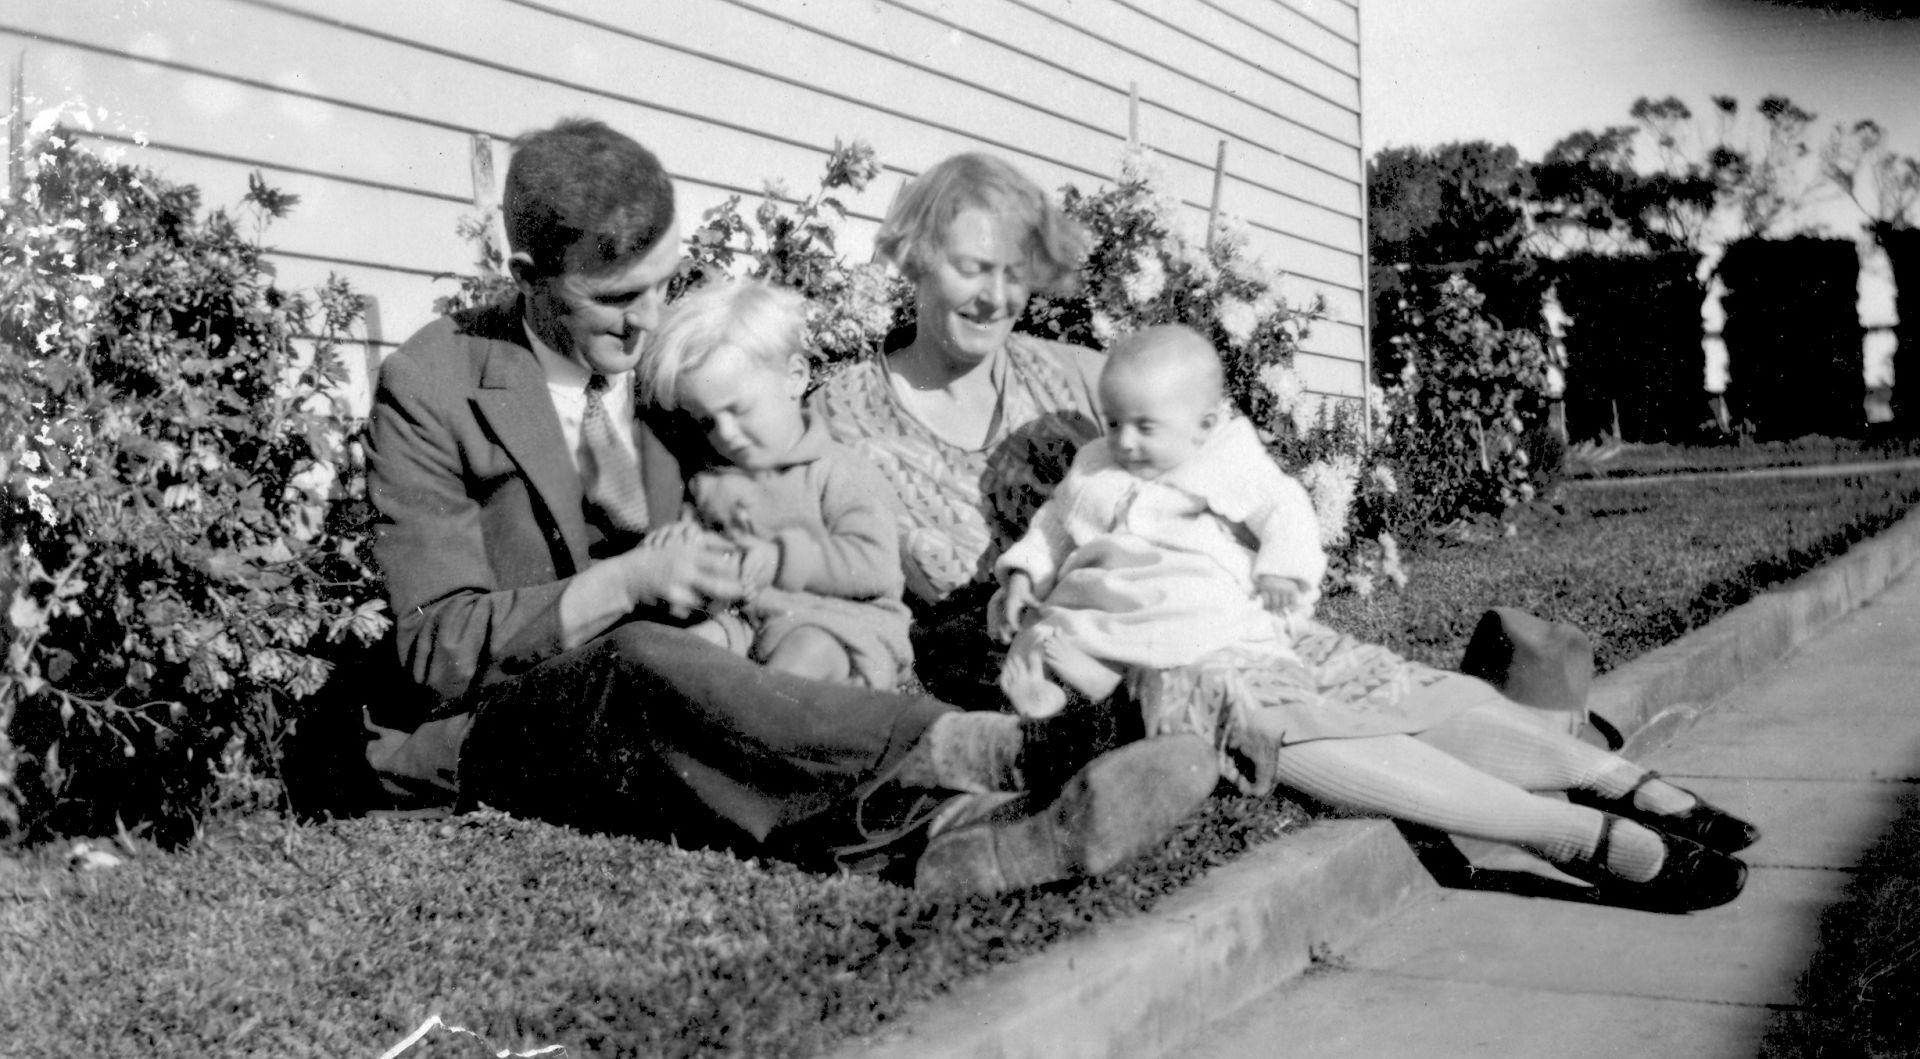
(1140, 986)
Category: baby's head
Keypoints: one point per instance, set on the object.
(732, 356)
(1164, 395)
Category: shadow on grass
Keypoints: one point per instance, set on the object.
(1856, 997)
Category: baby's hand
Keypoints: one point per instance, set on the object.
(1009, 605)
(1281, 595)
(759, 562)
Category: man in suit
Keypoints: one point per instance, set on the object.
(515, 484)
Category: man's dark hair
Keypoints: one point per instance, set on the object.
(581, 180)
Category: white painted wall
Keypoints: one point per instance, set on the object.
(365, 109)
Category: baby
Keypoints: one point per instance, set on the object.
(1173, 537)
(814, 523)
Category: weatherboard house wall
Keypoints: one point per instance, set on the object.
(367, 110)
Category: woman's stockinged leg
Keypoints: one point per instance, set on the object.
(1402, 777)
(1499, 738)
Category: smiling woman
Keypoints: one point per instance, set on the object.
(973, 423)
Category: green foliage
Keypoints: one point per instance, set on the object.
(489, 282)
(1457, 421)
(1456, 209)
(178, 566)
(1592, 197)
(850, 307)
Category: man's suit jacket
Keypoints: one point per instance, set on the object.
(479, 516)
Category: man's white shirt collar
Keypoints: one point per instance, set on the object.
(567, 387)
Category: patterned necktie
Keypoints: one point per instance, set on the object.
(613, 479)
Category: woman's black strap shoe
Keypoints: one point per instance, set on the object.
(1691, 876)
(1705, 823)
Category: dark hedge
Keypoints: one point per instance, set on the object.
(1793, 336)
(1633, 348)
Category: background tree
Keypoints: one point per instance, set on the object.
(1886, 187)
(1457, 209)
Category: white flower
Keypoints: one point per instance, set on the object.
(1268, 305)
(1390, 560)
(1282, 382)
(1103, 327)
(1138, 162)
(1194, 259)
(1361, 583)
(39, 502)
(1305, 415)
(1147, 280)
(1330, 483)
(1238, 320)
(1384, 480)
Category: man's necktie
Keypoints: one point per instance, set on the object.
(613, 479)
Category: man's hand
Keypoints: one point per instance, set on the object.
(1284, 596)
(683, 531)
(683, 570)
(1009, 605)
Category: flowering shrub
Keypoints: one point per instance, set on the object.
(179, 566)
(850, 307)
(1142, 271)
(1459, 418)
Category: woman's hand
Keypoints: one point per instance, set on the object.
(1009, 606)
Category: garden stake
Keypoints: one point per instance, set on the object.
(1219, 175)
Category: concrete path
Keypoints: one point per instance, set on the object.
(1816, 749)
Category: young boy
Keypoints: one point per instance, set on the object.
(814, 523)
(1172, 538)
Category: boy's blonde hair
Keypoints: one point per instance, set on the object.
(765, 322)
(1173, 346)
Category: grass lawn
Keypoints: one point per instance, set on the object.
(1613, 461)
(339, 939)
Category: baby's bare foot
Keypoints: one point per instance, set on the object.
(1079, 670)
(1023, 678)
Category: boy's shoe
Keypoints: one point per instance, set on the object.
(1114, 809)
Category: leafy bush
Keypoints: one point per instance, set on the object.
(178, 565)
(850, 307)
(1459, 418)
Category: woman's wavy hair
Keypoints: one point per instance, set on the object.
(916, 226)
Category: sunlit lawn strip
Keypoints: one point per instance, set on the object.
(340, 939)
(1651, 459)
(1633, 564)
